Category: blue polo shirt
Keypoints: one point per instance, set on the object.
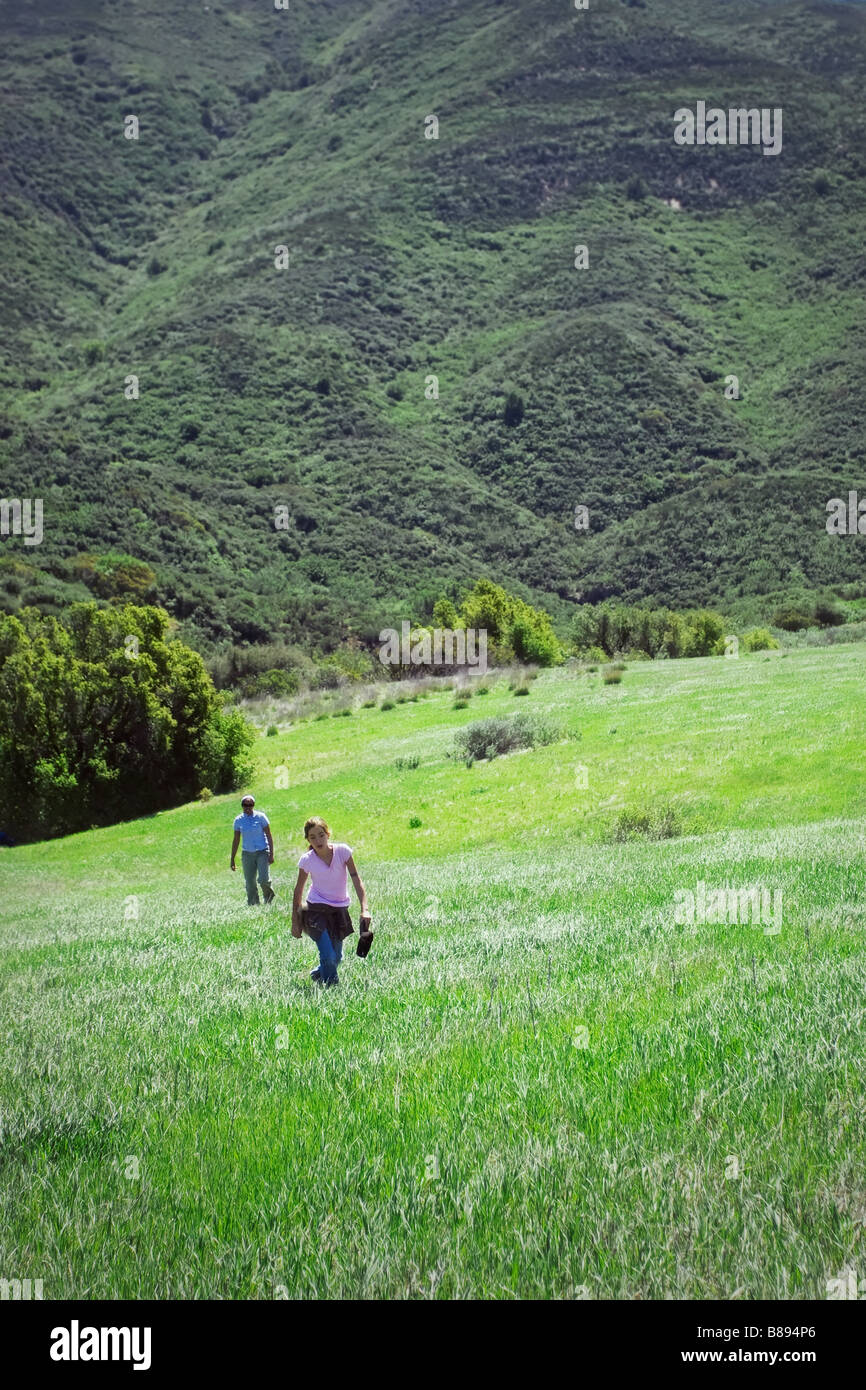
(252, 830)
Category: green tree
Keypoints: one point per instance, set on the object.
(511, 623)
(533, 638)
(704, 632)
(103, 717)
(584, 627)
(445, 615)
(488, 606)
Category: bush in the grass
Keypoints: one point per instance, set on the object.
(759, 639)
(281, 684)
(792, 619)
(205, 794)
(522, 689)
(327, 676)
(462, 703)
(412, 761)
(490, 738)
(657, 823)
(414, 822)
(827, 615)
(611, 676)
(387, 704)
(705, 635)
(369, 704)
(271, 730)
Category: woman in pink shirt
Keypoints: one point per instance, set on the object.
(326, 918)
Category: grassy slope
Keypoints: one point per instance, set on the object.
(409, 257)
(285, 1138)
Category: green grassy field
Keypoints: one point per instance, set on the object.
(537, 1085)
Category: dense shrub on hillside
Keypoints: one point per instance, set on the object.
(445, 615)
(114, 576)
(280, 684)
(350, 663)
(655, 823)
(827, 615)
(281, 670)
(533, 639)
(759, 639)
(103, 718)
(490, 738)
(512, 628)
(705, 633)
(612, 628)
(792, 619)
(240, 667)
(512, 624)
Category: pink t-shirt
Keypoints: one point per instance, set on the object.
(330, 885)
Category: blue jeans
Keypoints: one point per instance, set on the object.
(329, 959)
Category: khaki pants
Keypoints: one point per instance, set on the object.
(255, 862)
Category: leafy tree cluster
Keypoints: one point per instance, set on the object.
(617, 629)
(512, 625)
(794, 617)
(515, 630)
(103, 718)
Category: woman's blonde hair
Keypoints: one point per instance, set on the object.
(313, 823)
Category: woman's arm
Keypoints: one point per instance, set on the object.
(297, 900)
(359, 887)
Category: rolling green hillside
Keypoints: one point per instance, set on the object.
(411, 257)
(538, 1084)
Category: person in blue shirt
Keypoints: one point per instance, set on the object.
(258, 851)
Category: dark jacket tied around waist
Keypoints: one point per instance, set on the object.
(319, 917)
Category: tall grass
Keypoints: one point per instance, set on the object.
(538, 1084)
